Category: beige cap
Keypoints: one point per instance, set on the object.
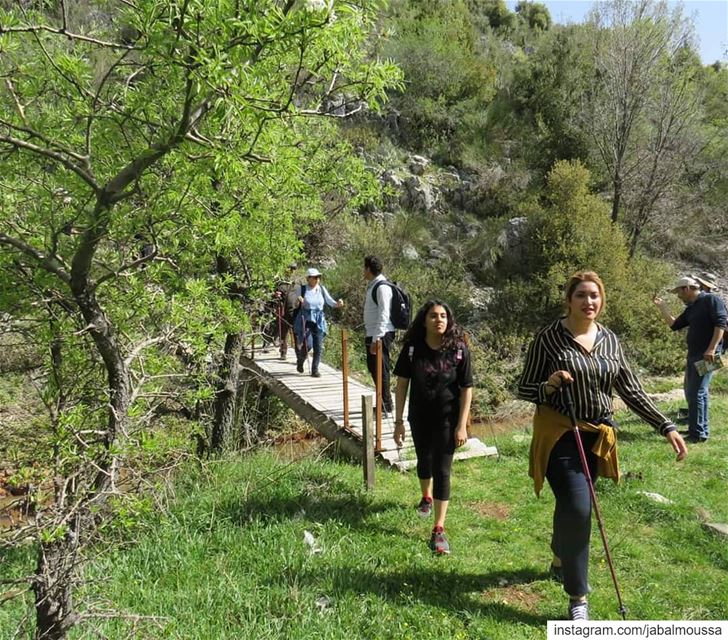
(686, 281)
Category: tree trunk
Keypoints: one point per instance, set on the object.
(117, 371)
(57, 565)
(53, 587)
(617, 197)
(226, 395)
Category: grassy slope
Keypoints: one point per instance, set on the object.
(229, 559)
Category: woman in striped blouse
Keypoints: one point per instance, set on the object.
(577, 350)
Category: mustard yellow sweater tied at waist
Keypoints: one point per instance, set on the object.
(549, 425)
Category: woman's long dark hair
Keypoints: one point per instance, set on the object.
(454, 333)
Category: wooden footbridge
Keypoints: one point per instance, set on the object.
(321, 402)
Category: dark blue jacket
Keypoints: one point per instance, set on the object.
(701, 317)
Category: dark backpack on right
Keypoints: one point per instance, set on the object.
(401, 308)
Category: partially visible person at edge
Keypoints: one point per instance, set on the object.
(311, 321)
(287, 293)
(705, 318)
(706, 282)
(436, 361)
(579, 351)
(378, 326)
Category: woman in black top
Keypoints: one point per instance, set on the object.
(436, 360)
(577, 350)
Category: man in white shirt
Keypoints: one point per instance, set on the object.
(377, 324)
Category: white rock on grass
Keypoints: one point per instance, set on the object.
(717, 528)
(311, 543)
(655, 497)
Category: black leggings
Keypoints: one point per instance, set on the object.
(572, 515)
(435, 445)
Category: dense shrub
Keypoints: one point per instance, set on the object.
(573, 232)
(448, 80)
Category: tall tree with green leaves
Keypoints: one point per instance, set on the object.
(536, 14)
(140, 143)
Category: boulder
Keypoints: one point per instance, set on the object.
(417, 164)
(391, 179)
(419, 195)
(717, 528)
(512, 239)
(409, 252)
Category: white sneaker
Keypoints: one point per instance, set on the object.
(578, 610)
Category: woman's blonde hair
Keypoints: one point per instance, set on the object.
(577, 279)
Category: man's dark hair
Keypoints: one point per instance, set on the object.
(374, 265)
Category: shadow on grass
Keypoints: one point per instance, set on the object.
(355, 511)
(449, 590)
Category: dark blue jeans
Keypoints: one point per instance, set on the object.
(572, 515)
(316, 337)
(696, 393)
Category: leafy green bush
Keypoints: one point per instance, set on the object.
(573, 232)
(447, 78)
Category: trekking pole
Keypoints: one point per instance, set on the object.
(304, 337)
(568, 398)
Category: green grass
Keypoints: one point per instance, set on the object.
(228, 558)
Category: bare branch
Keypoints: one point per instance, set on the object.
(50, 263)
(16, 99)
(102, 84)
(125, 267)
(35, 29)
(144, 344)
(86, 176)
(50, 143)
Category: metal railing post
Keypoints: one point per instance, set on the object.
(345, 374)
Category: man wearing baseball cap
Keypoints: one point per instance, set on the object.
(705, 318)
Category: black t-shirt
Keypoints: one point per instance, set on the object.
(436, 378)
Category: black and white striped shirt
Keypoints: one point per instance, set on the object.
(596, 374)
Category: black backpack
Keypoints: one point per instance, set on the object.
(401, 309)
(297, 310)
(290, 298)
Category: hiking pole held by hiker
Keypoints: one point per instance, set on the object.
(569, 401)
(304, 336)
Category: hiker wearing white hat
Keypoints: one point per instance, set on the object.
(310, 324)
(705, 318)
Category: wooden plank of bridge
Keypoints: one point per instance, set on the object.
(319, 401)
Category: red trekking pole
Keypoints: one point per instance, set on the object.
(568, 398)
